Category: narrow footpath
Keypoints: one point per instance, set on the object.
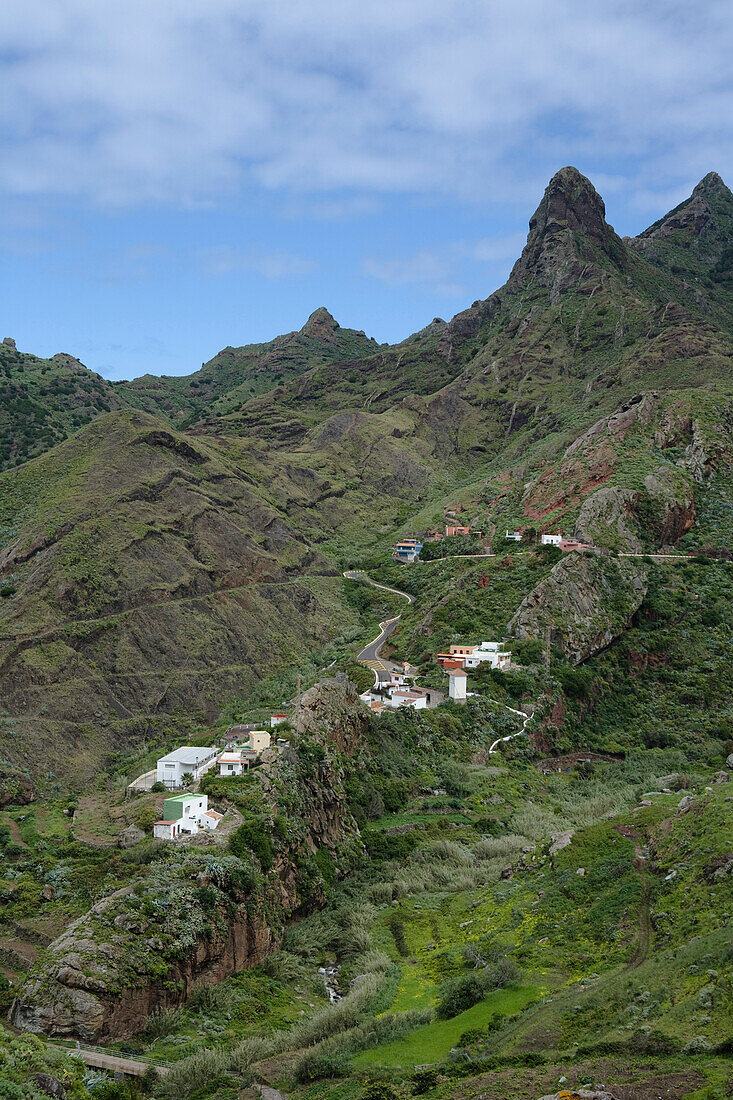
(110, 1060)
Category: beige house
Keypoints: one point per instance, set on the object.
(259, 740)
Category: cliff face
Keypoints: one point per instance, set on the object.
(584, 603)
(199, 916)
(102, 990)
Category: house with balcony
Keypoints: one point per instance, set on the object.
(407, 550)
(188, 760)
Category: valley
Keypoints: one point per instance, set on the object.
(504, 905)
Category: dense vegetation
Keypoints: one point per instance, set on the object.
(484, 923)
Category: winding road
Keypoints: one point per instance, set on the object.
(369, 655)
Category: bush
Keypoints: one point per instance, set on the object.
(158, 787)
(252, 837)
(458, 994)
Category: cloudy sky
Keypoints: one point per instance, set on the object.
(179, 175)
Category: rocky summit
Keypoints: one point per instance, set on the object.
(365, 712)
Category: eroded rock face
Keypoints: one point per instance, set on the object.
(584, 603)
(567, 231)
(80, 997)
(661, 511)
(607, 518)
(332, 709)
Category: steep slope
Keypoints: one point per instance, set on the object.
(583, 323)
(42, 401)
(150, 572)
(237, 374)
(693, 242)
(144, 577)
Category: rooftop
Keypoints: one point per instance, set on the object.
(188, 754)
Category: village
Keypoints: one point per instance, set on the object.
(186, 811)
(409, 550)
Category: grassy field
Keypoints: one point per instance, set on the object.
(433, 1043)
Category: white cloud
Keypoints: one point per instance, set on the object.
(440, 270)
(183, 101)
(224, 260)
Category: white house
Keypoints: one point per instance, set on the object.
(402, 697)
(550, 540)
(513, 536)
(232, 763)
(171, 769)
(488, 651)
(278, 719)
(185, 813)
(210, 819)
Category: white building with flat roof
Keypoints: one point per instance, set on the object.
(233, 763)
(188, 760)
(550, 540)
(488, 651)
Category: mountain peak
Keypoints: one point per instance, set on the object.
(568, 225)
(711, 184)
(320, 325)
(571, 200)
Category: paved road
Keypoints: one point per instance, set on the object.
(369, 655)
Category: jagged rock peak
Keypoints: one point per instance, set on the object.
(570, 198)
(712, 184)
(569, 226)
(320, 325)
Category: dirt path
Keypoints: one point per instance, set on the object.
(14, 830)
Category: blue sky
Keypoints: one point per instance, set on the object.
(179, 175)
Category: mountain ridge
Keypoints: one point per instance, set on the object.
(591, 392)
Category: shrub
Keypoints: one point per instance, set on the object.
(458, 994)
(252, 837)
(158, 787)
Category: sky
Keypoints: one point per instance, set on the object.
(182, 175)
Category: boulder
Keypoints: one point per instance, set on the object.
(729, 761)
(130, 836)
(51, 1086)
(561, 840)
(686, 802)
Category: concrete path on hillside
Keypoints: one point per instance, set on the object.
(97, 1058)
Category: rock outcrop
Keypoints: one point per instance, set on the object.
(567, 232)
(100, 987)
(16, 787)
(198, 916)
(333, 710)
(586, 601)
(607, 518)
